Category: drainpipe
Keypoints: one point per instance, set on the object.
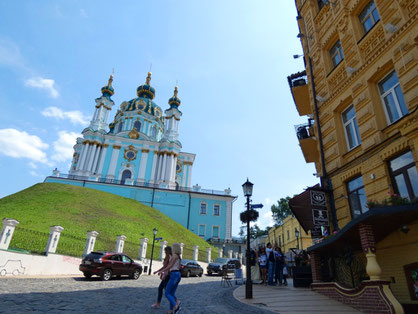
(152, 200)
(188, 212)
(325, 180)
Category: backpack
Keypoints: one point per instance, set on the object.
(271, 256)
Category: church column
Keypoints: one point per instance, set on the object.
(82, 157)
(163, 166)
(96, 158)
(168, 168)
(102, 158)
(189, 179)
(173, 175)
(113, 162)
(143, 165)
(91, 157)
(154, 165)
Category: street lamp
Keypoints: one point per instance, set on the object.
(247, 187)
(297, 238)
(154, 232)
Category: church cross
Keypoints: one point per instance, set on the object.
(8, 234)
(55, 240)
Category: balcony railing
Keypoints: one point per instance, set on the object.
(307, 141)
(298, 83)
(226, 192)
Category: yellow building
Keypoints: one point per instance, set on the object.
(284, 236)
(359, 92)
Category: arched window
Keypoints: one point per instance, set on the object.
(126, 174)
(137, 126)
(154, 132)
(120, 127)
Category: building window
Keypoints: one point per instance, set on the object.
(321, 4)
(288, 235)
(392, 97)
(351, 128)
(357, 196)
(280, 240)
(202, 231)
(369, 16)
(203, 207)
(154, 132)
(137, 126)
(336, 53)
(216, 210)
(215, 232)
(120, 127)
(404, 176)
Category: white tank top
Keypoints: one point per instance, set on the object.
(176, 265)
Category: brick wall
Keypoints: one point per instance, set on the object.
(369, 297)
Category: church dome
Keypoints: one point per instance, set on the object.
(174, 101)
(108, 90)
(146, 90)
(143, 104)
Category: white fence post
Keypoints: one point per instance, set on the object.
(195, 252)
(120, 242)
(90, 242)
(235, 254)
(229, 253)
(162, 249)
(208, 254)
(220, 252)
(9, 226)
(54, 237)
(143, 248)
(181, 247)
(241, 257)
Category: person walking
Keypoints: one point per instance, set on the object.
(271, 265)
(164, 278)
(173, 268)
(279, 265)
(262, 261)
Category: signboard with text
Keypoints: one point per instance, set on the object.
(319, 208)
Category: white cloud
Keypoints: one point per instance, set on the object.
(43, 83)
(17, 144)
(75, 117)
(10, 54)
(35, 174)
(267, 201)
(63, 146)
(33, 165)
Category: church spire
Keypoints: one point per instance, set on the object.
(108, 90)
(174, 101)
(146, 90)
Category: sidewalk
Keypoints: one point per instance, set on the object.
(287, 299)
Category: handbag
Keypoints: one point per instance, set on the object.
(285, 271)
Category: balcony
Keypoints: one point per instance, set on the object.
(308, 141)
(300, 92)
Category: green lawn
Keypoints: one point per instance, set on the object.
(80, 209)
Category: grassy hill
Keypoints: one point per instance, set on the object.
(79, 210)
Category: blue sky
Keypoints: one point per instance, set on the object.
(231, 60)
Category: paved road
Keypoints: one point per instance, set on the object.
(53, 295)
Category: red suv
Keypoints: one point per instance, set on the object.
(106, 265)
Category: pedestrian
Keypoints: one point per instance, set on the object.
(173, 268)
(262, 261)
(164, 277)
(280, 260)
(285, 273)
(270, 264)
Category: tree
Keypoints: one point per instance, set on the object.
(281, 210)
(255, 232)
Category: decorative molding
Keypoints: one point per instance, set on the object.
(117, 147)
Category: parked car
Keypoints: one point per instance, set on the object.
(106, 265)
(223, 266)
(190, 268)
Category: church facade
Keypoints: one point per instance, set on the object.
(138, 155)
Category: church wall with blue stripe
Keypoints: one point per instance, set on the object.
(174, 204)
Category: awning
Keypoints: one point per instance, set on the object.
(384, 220)
(300, 205)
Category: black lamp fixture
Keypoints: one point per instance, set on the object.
(405, 229)
(297, 237)
(154, 232)
(247, 188)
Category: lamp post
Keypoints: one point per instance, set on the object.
(248, 191)
(154, 232)
(297, 238)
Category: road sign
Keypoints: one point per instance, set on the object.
(158, 239)
(256, 206)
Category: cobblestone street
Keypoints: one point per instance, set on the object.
(53, 295)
